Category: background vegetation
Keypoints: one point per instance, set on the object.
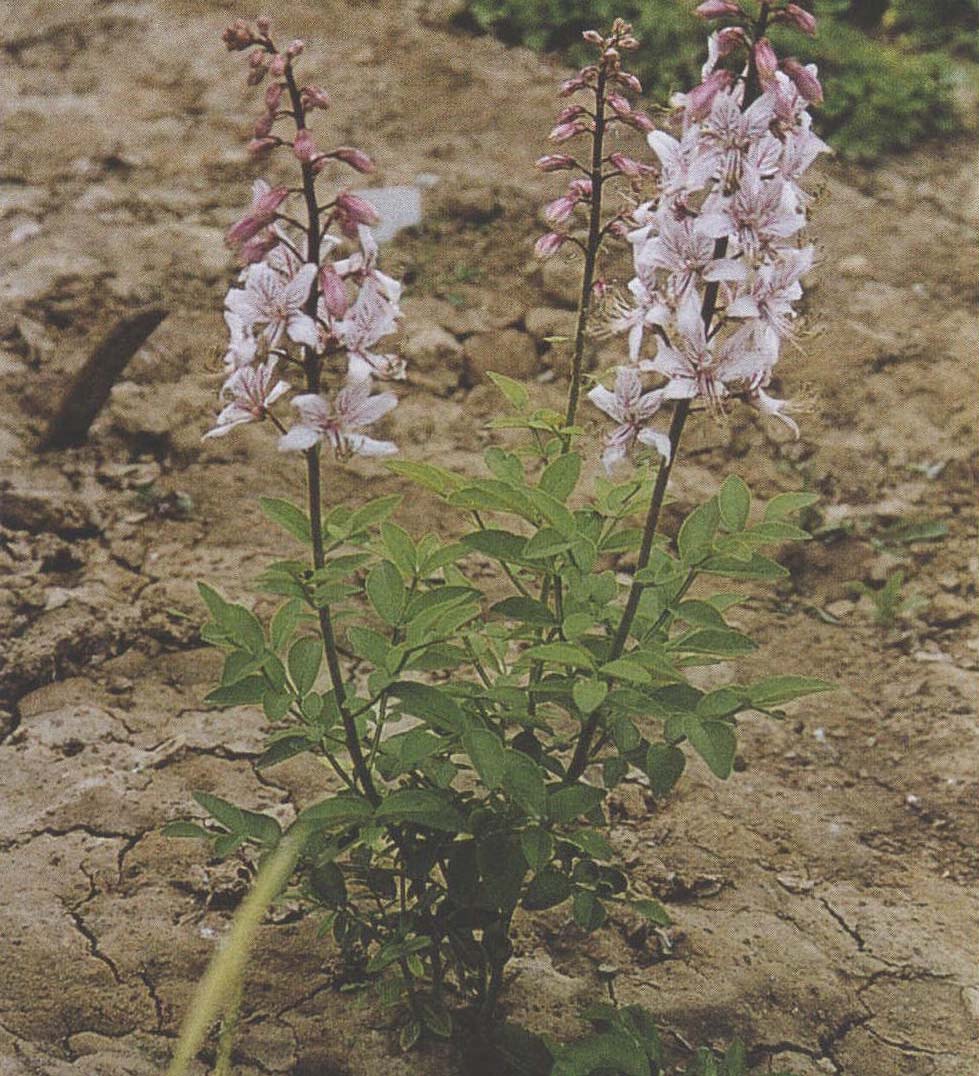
(890, 65)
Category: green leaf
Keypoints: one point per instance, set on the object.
(422, 806)
(386, 591)
(515, 393)
(785, 504)
(394, 950)
(327, 882)
(291, 519)
(502, 869)
(436, 1017)
(372, 512)
(487, 754)
(280, 750)
(734, 502)
(696, 536)
(653, 911)
(400, 547)
(699, 614)
(725, 642)
(664, 767)
(537, 846)
(776, 690)
(502, 545)
(908, 531)
(548, 888)
(180, 828)
(577, 624)
(504, 465)
(284, 623)
(764, 533)
(547, 542)
(559, 653)
(524, 782)
(590, 842)
(230, 816)
(715, 742)
(305, 658)
(409, 1034)
(241, 693)
(369, 644)
(624, 669)
(757, 567)
(567, 804)
(437, 479)
(276, 704)
(560, 477)
(432, 704)
(336, 812)
(612, 1051)
(588, 695)
(588, 911)
(527, 610)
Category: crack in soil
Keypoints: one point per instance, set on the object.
(93, 943)
(851, 932)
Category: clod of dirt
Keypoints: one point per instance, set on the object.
(510, 352)
(47, 510)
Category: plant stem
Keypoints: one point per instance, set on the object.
(591, 254)
(583, 747)
(222, 981)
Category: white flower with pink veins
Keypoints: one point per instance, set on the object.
(700, 368)
(340, 424)
(368, 320)
(252, 390)
(277, 303)
(632, 409)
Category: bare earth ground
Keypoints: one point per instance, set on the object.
(824, 898)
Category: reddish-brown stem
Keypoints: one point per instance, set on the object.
(591, 248)
(312, 365)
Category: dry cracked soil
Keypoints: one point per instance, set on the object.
(824, 898)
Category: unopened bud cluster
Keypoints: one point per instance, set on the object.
(605, 83)
(716, 252)
(298, 306)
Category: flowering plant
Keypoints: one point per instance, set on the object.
(475, 747)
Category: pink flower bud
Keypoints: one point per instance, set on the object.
(717, 9)
(278, 66)
(564, 131)
(558, 211)
(618, 104)
(628, 43)
(572, 112)
(766, 62)
(729, 39)
(263, 125)
(572, 85)
(611, 56)
(580, 188)
(255, 249)
(267, 205)
(799, 17)
(304, 147)
(256, 58)
(261, 147)
(334, 292)
(698, 101)
(264, 24)
(804, 77)
(624, 78)
(356, 158)
(238, 36)
(357, 209)
(619, 229)
(627, 166)
(549, 243)
(295, 48)
(243, 230)
(314, 97)
(273, 96)
(640, 121)
(599, 289)
(255, 75)
(593, 37)
(554, 162)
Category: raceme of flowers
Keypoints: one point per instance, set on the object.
(298, 306)
(716, 252)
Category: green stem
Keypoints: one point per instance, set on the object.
(217, 990)
(592, 246)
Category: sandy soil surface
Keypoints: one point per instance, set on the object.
(824, 898)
